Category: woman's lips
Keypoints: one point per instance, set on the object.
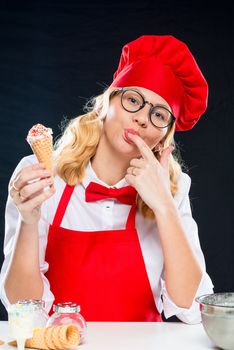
(130, 131)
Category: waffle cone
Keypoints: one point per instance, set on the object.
(38, 340)
(48, 338)
(69, 336)
(43, 149)
(54, 338)
(12, 343)
(1, 342)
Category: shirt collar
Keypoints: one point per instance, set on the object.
(90, 176)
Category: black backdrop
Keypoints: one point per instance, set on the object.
(56, 54)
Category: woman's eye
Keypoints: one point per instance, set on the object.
(133, 101)
(159, 115)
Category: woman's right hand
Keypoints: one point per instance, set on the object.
(27, 190)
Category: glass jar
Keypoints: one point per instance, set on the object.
(40, 316)
(68, 313)
(20, 322)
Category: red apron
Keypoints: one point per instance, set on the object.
(102, 271)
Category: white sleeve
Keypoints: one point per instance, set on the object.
(191, 315)
(12, 221)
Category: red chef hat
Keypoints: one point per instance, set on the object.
(165, 65)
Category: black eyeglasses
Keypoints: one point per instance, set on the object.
(132, 101)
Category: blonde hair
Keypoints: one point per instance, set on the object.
(79, 141)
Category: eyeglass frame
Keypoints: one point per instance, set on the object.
(122, 90)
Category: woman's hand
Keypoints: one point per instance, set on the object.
(149, 176)
(27, 190)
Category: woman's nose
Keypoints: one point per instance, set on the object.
(141, 117)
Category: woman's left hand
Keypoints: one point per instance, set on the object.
(149, 176)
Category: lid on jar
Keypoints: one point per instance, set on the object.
(36, 302)
(66, 307)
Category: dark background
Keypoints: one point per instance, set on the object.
(56, 54)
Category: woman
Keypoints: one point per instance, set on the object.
(116, 235)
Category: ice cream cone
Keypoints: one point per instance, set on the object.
(38, 340)
(53, 338)
(43, 150)
(69, 336)
(40, 139)
(1, 342)
(48, 338)
(12, 343)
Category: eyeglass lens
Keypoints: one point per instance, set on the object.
(132, 101)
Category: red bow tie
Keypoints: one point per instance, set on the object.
(96, 192)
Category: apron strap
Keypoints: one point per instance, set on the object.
(62, 206)
(131, 218)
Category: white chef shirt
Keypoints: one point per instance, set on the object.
(109, 214)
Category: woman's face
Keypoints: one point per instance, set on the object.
(119, 122)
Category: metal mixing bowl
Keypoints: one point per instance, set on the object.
(217, 312)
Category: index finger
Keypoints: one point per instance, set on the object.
(29, 173)
(142, 146)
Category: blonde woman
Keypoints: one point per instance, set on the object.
(116, 235)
